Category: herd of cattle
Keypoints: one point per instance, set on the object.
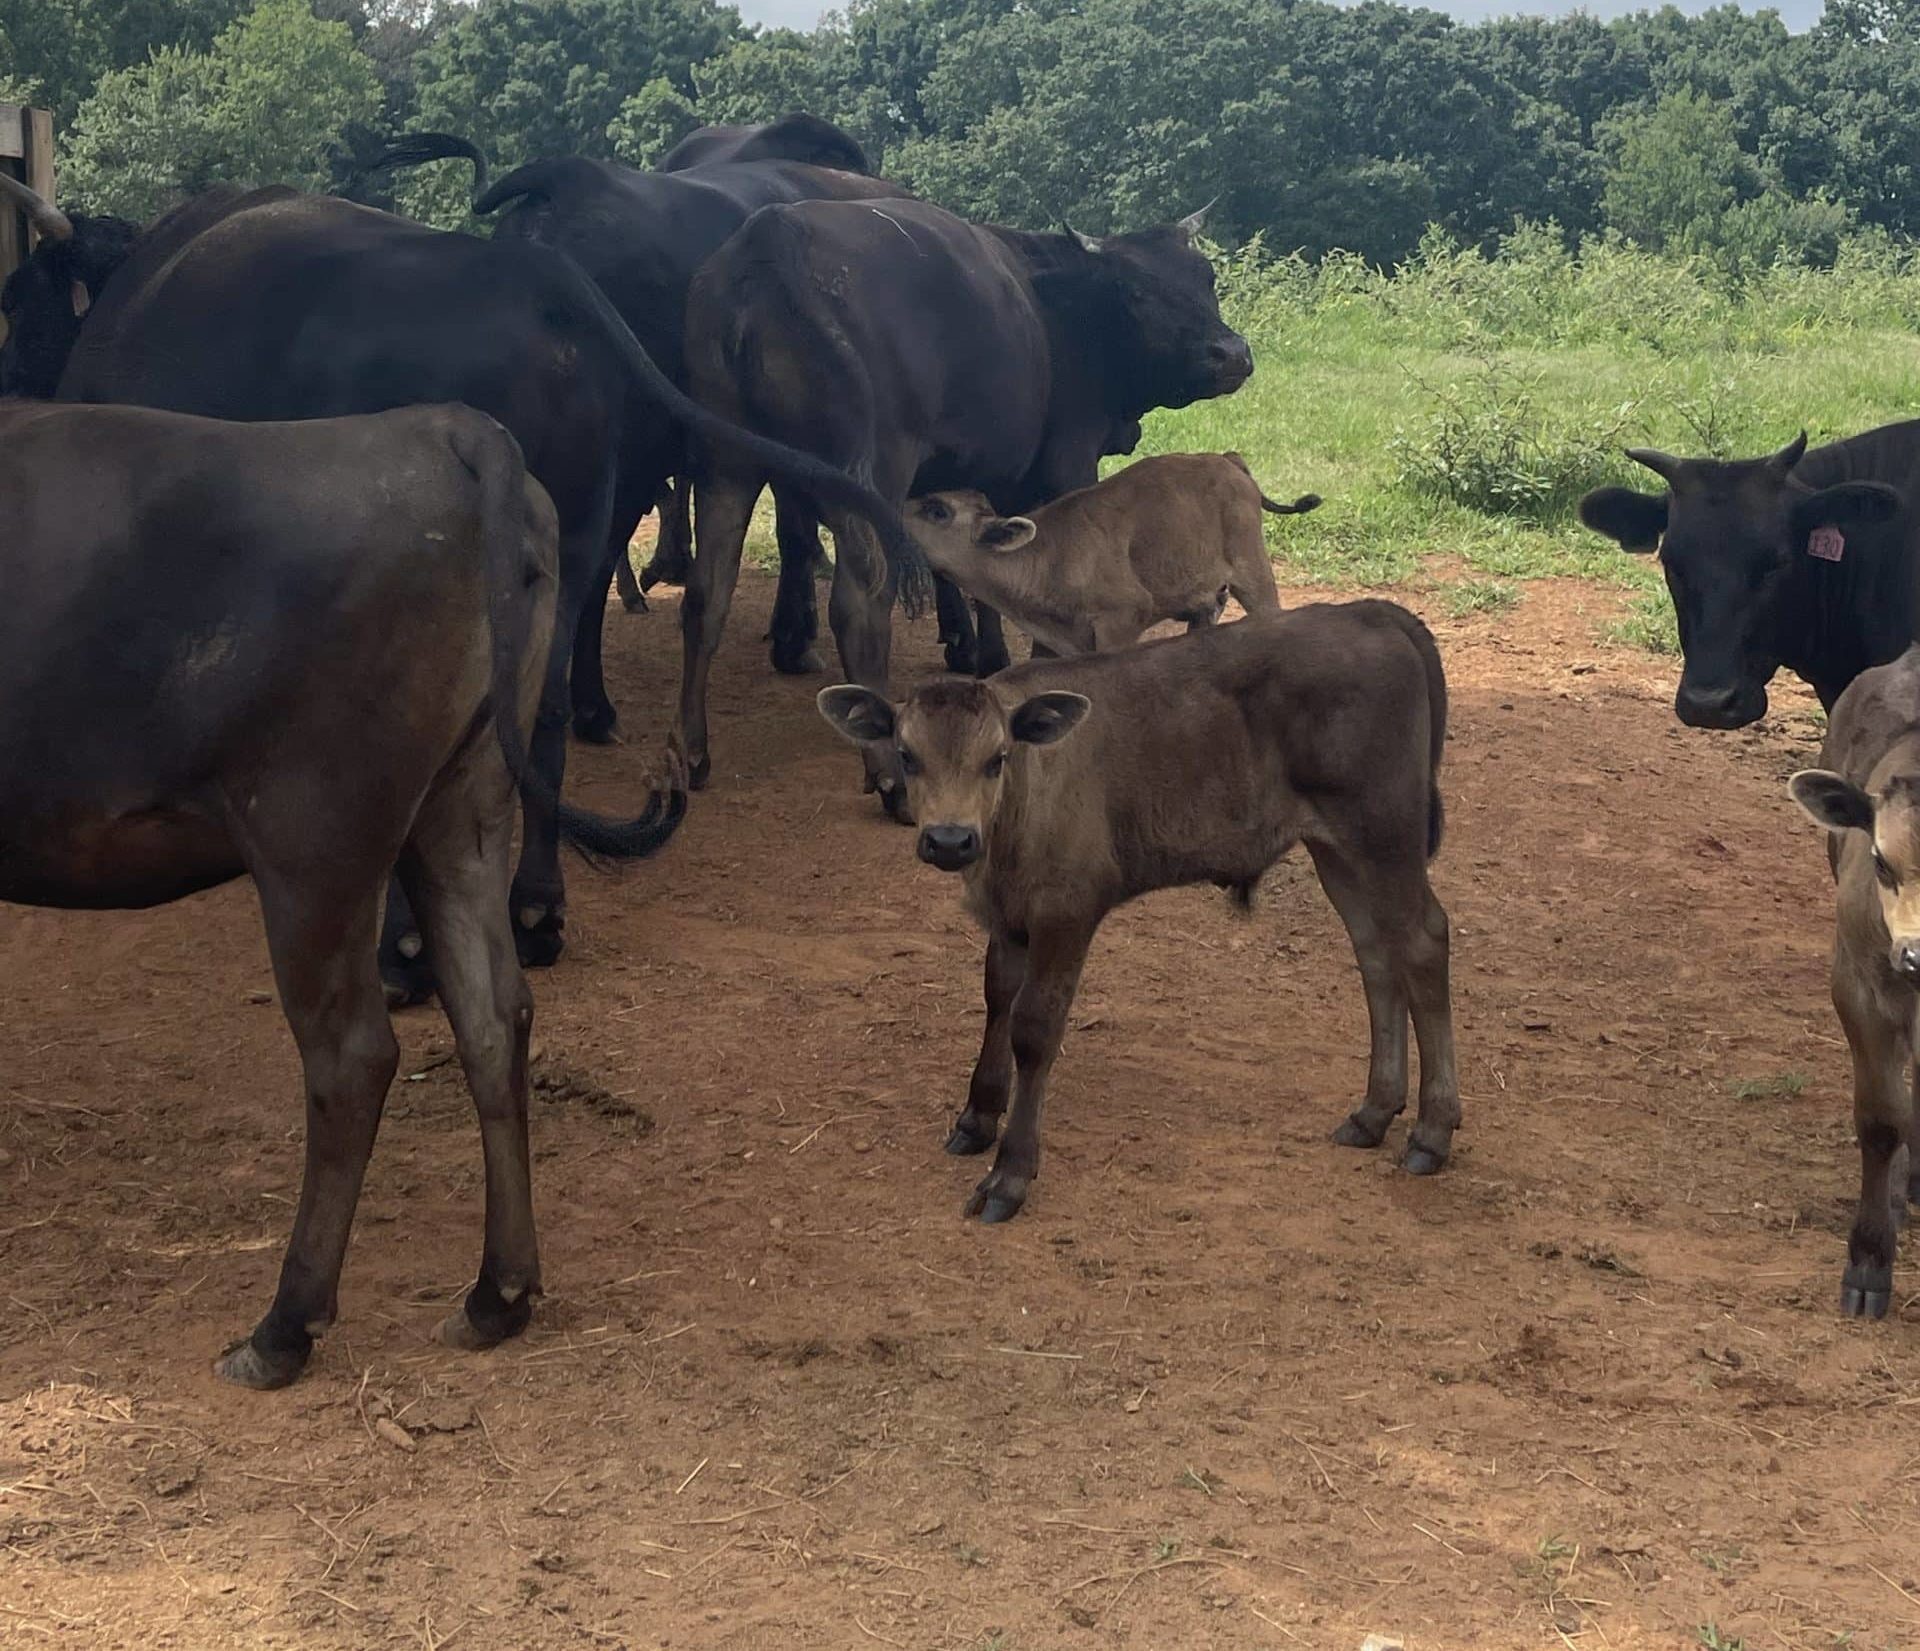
(310, 513)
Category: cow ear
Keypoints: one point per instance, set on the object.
(1088, 243)
(1850, 504)
(1006, 532)
(82, 298)
(1832, 800)
(856, 713)
(1634, 520)
(1048, 717)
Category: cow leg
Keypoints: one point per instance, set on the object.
(1038, 1023)
(1422, 947)
(955, 616)
(594, 717)
(992, 654)
(538, 898)
(632, 598)
(320, 936)
(1386, 991)
(673, 549)
(978, 1127)
(860, 609)
(1882, 1113)
(1908, 1174)
(796, 613)
(405, 973)
(456, 867)
(726, 508)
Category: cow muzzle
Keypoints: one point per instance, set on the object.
(1229, 362)
(949, 847)
(1732, 707)
(1905, 958)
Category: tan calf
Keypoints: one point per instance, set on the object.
(1166, 538)
(1867, 793)
(1063, 788)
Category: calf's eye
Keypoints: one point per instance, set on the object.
(994, 765)
(1883, 871)
(909, 763)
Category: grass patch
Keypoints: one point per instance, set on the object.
(1473, 596)
(1776, 1086)
(1649, 624)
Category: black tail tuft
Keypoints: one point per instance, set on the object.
(1299, 507)
(418, 148)
(599, 839)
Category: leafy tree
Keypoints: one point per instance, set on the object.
(264, 105)
(64, 47)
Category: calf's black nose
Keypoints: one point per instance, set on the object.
(1906, 961)
(949, 847)
(1733, 707)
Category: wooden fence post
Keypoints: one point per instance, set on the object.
(26, 153)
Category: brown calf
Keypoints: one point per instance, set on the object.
(1167, 538)
(1062, 788)
(1867, 793)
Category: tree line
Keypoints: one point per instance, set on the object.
(1318, 127)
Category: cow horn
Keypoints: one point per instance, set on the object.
(1789, 455)
(1661, 464)
(1194, 222)
(1089, 243)
(48, 220)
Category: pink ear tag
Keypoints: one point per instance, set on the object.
(1826, 543)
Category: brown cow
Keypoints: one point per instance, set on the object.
(1196, 759)
(1167, 538)
(1867, 793)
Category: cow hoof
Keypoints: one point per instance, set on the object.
(636, 603)
(485, 1319)
(407, 985)
(1421, 1160)
(804, 663)
(961, 658)
(539, 936)
(594, 724)
(245, 1365)
(998, 1198)
(1357, 1131)
(971, 1136)
(699, 771)
(1866, 1290)
(893, 798)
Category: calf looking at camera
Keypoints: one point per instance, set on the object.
(1167, 538)
(1063, 788)
(1867, 793)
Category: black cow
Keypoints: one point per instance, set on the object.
(925, 353)
(274, 305)
(301, 653)
(795, 137)
(1804, 561)
(641, 236)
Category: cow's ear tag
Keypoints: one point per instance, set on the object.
(1826, 543)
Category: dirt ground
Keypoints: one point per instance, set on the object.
(1223, 1384)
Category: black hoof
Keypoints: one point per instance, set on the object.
(541, 942)
(406, 979)
(485, 1319)
(1355, 1131)
(998, 1198)
(1866, 1291)
(803, 663)
(969, 1140)
(1421, 1160)
(594, 724)
(246, 1364)
(992, 661)
(699, 771)
(636, 603)
(961, 658)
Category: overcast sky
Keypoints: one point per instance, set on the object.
(1800, 14)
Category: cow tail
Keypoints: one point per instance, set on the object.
(1299, 507)
(780, 462)
(513, 573)
(419, 148)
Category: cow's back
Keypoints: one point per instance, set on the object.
(1206, 756)
(1879, 707)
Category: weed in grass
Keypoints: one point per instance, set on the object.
(1648, 623)
(1712, 1639)
(1472, 596)
(1165, 1549)
(1777, 1086)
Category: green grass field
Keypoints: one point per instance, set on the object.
(1458, 409)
